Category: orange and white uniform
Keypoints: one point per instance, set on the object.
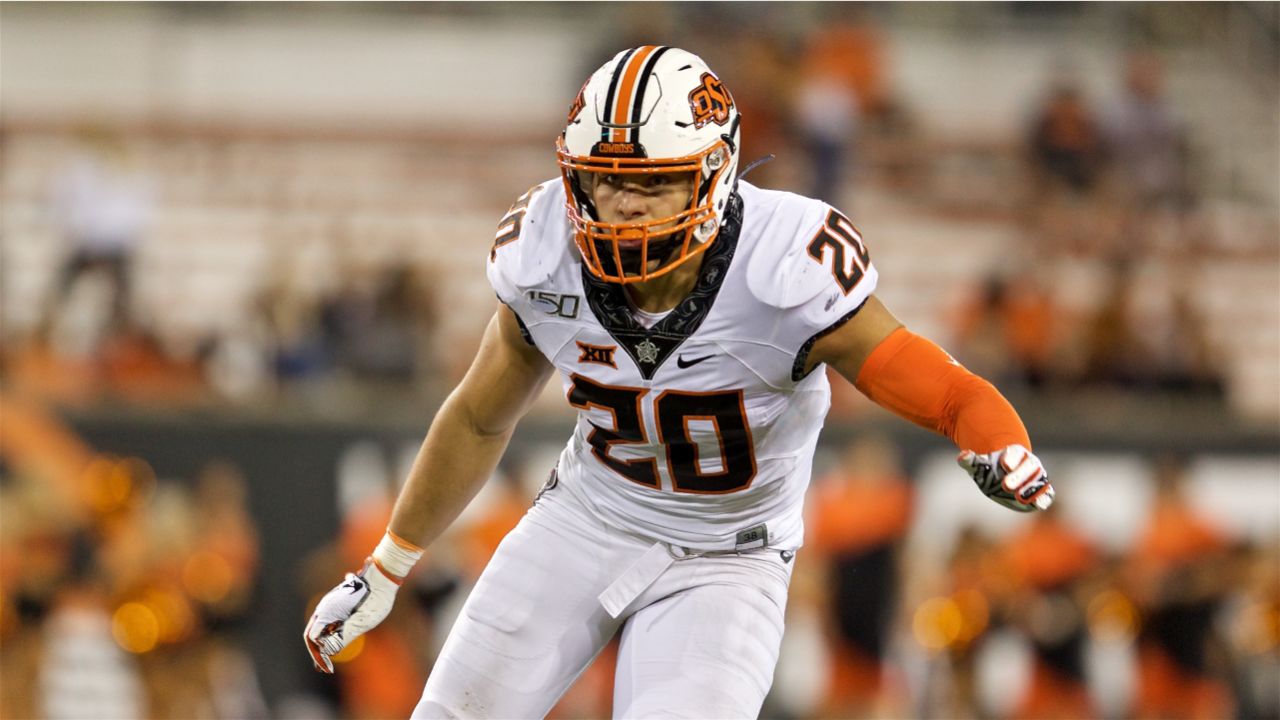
(702, 426)
(676, 508)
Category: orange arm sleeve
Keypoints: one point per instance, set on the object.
(917, 380)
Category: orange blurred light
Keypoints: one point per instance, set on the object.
(1271, 623)
(135, 627)
(937, 623)
(974, 615)
(101, 490)
(110, 484)
(9, 620)
(1258, 626)
(142, 477)
(351, 651)
(173, 612)
(1112, 616)
(207, 577)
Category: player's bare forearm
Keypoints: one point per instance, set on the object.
(470, 432)
(462, 447)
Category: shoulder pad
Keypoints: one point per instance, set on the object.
(780, 272)
(531, 241)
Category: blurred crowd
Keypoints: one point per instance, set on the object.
(1112, 185)
(96, 341)
(122, 595)
(1041, 621)
(126, 595)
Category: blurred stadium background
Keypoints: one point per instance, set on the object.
(243, 252)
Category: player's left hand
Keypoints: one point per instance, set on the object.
(1013, 477)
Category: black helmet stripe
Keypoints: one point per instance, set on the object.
(638, 106)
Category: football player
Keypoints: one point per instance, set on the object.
(690, 316)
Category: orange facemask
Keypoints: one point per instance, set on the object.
(677, 239)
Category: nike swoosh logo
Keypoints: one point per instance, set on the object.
(690, 363)
(355, 587)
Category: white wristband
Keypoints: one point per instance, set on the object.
(395, 557)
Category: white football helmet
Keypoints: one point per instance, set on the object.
(650, 109)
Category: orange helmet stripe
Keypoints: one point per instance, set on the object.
(622, 103)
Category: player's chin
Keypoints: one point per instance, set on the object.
(660, 253)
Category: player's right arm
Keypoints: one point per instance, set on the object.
(462, 447)
(471, 431)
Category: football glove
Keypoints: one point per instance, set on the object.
(359, 603)
(1013, 477)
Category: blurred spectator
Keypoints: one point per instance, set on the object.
(1251, 629)
(952, 623)
(504, 503)
(1178, 577)
(382, 332)
(297, 340)
(136, 366)
(1182, 358)
(223, 571)
(840, 82)
(764, 93)
(1114, 354)
(851, 53)
(83, 672)
(117, 601)
(859, 516)
(1066, 143)
(1144, 139)
(58, 657)
(1048, 603)
(826, 119)
(1009, 331)
(102, 203)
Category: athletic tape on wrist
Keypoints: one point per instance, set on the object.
(394, 557)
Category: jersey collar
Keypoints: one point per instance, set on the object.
(650, 347)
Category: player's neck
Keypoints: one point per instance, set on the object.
(664, 293)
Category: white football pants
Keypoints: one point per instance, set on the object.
(698, 641)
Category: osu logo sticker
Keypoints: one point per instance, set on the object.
(710, 102)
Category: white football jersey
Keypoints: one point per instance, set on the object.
(699, 431)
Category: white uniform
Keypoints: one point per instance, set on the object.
(678, 500)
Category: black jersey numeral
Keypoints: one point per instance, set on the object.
(840, 236)
(510, 225)
(624, 404)
(727, 413)
(673, 411)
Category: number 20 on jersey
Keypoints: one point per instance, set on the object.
(673, 410)
(842, 241)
